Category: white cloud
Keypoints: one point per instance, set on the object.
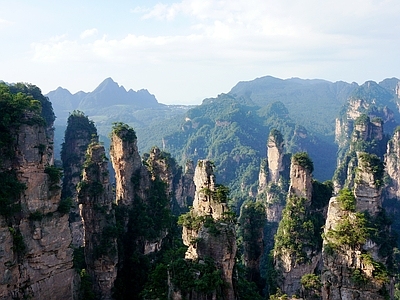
(5, 23)
(240, 40)
(88, 33)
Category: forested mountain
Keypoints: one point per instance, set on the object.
(230, 129)
(311, 103)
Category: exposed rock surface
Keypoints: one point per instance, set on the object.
(351, 267)
(290, 263)
(202, 241)
(392, 161)
(35, 257)
(273, 178)
(185, 188)
(127, 164)
(145, 191)
(78, 135)
(96, 197)
(367, 136)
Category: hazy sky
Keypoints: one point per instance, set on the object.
(185, 51)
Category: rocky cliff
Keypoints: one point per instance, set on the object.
(392, 162)
(78, 135)
(369, 100)
(296, 249)
(35, 257)
(209, 233)
(274, 178)
(145, 190)
(355, 260)
(100, 231)
(185, 188)
(367, 136)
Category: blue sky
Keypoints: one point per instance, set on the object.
(185, 51)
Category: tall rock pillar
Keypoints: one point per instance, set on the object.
(209, 231)
(96, 197)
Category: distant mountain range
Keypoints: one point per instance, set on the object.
(107, 95)
(298, 107)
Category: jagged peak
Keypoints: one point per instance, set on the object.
(108, 83)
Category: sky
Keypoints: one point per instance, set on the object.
(185, 51)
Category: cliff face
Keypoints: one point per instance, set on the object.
(184, 188)
(274, 178)
(144, 194)
(354, 263)
(367, 136)
(392, 162)
(35, 258)
(369, 100)
(96, 197)
(296, 251)
(209, 232)
(78, 135)
(127, 165)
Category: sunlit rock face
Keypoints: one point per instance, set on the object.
(202, 242)
(35, 253)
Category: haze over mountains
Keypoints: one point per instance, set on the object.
(106, 95)
(232, 128)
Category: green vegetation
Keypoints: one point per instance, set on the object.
(373, 164)
(232, 133)
(79, 130)
(277, 136)
(33, 92)
(190, 221)
(311, 286)
(105, 247)
(347, 200)
(55, 175)
(10, 193)
(204, 277)
(86, 287)
(363, 119)
(302, 159)
(65, 205)
(18, 106)
(252, 220)
(36, 216)
(149, 219)
(124, 132)
(354, 230)
(351, 231)
(19, 246)
(296, 232)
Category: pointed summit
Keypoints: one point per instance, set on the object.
(108, 84)
(109, 93)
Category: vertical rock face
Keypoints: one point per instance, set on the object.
(214, 236)
(367, 136)
(144, 192)
(96, 197)
(300, 180)
(275, 156)
(185, 188)
(354, 265)
(369, 100)
(296, 251)
(392, 161)
(127, 165)
(274, 177)
(35, 258)
(78, 135)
